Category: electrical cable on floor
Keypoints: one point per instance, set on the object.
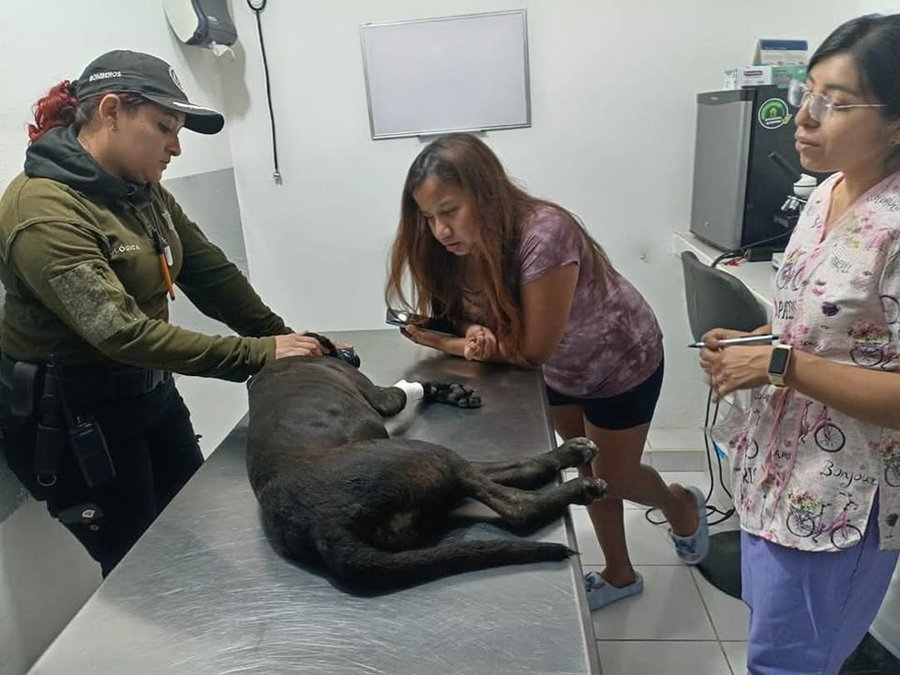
(710, 508)
(257, 8)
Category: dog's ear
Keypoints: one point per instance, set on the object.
(327, 344)
(347, 355)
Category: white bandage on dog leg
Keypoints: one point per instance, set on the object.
(415, 392)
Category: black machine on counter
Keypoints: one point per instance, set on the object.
(746, 193)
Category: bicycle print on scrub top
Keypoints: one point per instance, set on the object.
(872, 346)
(790, 273)
(890, 455)
(743, 441)
(826, 434)
(891, 308)
(806, 518)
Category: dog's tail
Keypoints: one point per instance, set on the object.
(363, 566)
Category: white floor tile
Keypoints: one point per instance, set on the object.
(730, 616)
(685, 438)
(669, 609)
(668, 459)
(656, 658)
(687, 478)
(648, 544)
(736, 652)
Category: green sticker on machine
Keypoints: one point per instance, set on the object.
(774, 114)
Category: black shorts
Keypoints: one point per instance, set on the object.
(624, 411)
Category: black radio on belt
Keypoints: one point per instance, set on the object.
(91, 453)
(86, 439)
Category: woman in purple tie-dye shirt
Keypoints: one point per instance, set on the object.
(524, 283)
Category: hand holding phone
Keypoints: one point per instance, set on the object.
(398, 317)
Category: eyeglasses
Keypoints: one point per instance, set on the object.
(819, 106)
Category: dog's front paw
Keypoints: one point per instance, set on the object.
(452, 393)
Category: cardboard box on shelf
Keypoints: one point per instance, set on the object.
(750, 76)
(771, 52)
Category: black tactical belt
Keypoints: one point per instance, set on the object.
(97, 384)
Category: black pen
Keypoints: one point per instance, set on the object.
(746, 340)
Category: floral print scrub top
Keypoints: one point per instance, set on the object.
(805, 475)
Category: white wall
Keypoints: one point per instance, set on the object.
(878, 7)
(612, 86)
(46, 41)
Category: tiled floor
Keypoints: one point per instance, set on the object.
(680, 624)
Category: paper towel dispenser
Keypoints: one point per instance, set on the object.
(201, 22)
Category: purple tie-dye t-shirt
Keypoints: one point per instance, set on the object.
(610, 344)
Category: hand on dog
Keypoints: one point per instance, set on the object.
(481, 343)
(297, 344)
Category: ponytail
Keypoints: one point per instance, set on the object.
(60, 108)
(56, 109)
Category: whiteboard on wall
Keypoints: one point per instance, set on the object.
(455, 73)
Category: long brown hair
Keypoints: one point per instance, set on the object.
(502, 207)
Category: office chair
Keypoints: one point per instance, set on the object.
(716, 299)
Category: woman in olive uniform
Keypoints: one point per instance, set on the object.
(91, 250)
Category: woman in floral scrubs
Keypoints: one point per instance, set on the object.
(817, 462)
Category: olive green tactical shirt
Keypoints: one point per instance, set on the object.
(84, 285)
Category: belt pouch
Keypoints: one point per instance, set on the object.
(22, 392)
(51, 436)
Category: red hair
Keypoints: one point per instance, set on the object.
(56, 109)
(60, 108)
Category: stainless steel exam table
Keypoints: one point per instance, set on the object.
(203, 591)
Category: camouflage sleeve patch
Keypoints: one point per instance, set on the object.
(93, 311)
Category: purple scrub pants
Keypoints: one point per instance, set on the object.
(809, 611)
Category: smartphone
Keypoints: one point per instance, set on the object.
(399, 317)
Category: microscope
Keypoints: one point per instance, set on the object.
(790, 211)
(804, 184)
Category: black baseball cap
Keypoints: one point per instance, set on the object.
(128, 72)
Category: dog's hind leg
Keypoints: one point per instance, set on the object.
(540, 470)
(524, 510)
(362, 566)
(286, 526)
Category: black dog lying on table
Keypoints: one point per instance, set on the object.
(338, 492)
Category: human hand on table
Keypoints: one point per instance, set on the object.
(481, 343)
